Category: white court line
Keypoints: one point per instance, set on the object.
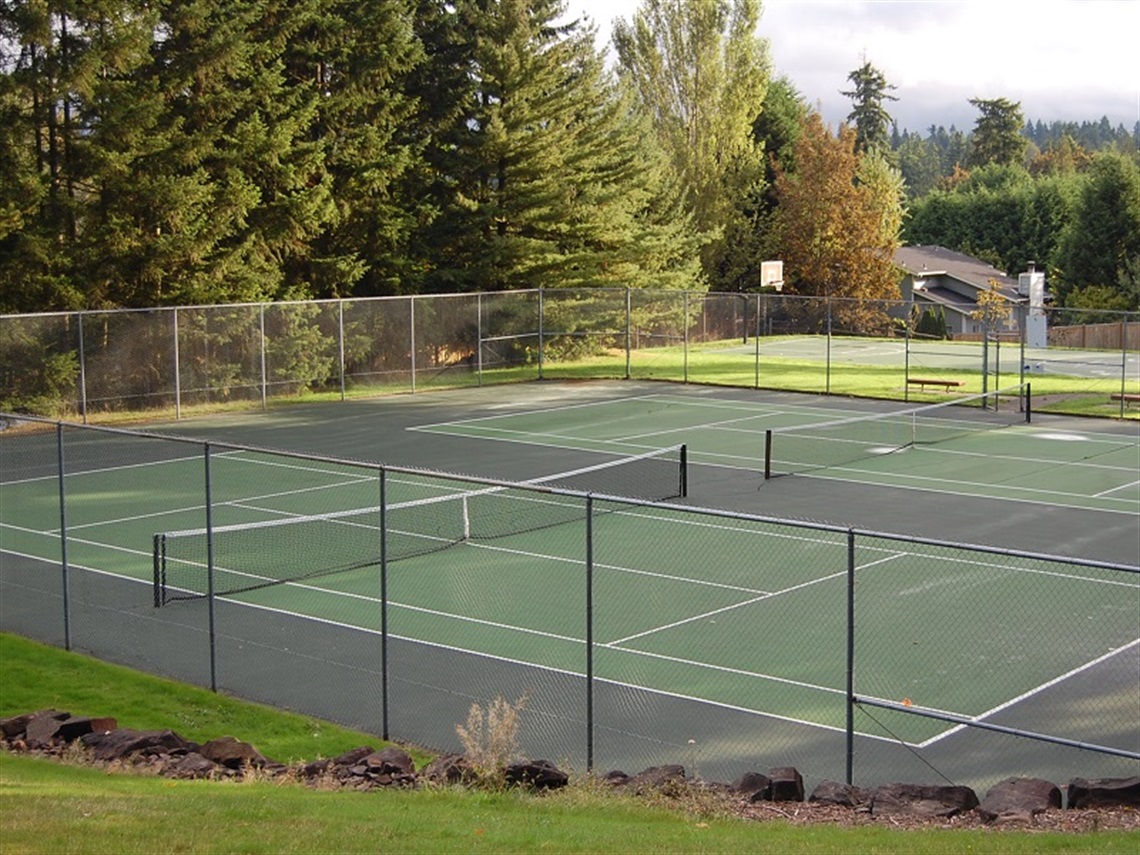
(539, 411)
(1104, 493)
(982, 490)
(841, 574)
(1030, 693)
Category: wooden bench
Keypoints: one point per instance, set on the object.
(1126, 397)
(923, 382)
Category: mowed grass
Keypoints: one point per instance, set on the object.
(51, 807)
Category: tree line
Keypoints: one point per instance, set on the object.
(203, 151)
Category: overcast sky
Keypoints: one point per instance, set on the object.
(1062, 59)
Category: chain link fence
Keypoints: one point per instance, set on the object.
(639, 633)
(94, 364)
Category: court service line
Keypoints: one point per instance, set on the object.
(540, 411)
(1104, 493)
(979, 491)
(619, 641)
(1031, 692)
(103, 470)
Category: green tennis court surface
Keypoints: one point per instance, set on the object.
(739, 613)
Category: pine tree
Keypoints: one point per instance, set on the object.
(549, 181)
(869, 115)
(997, 133)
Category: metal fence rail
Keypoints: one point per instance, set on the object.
(87, 364)
(649, 638)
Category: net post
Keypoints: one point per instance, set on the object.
(159, 581)
(768, 454)
(684, 485)
(1028, 403)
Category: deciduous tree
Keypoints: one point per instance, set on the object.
(836, 235)
(701, 73)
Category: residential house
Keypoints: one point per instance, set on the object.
(950, 282)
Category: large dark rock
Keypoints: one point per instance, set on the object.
(667, 779)
(536, 774)
(449, 769)
(123, 743)
(787, 784)
(41, 728)
(190, 765)
(16, 727)
(753, 785)
(232, 753)
(1104, 792)
(922, 800)
(836, 793)
(1019, 800)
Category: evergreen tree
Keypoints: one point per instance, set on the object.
(997, 133)
(871, 119)
(361, 59)
(1102, 243)
(550, 181)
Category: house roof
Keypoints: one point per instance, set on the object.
(937, 260)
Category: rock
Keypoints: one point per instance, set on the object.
(391, 760)
(189, 765)
(449, 769)
(536, 774)
(1104, 792)
(616, 778)
(1019, 800)
(836, 793)
(16, 727)
(42, 727)
(123, 743)
(755, 786)
(74, 727)
(667, 779)
(232, 753)
(787, 784)
(922, 800)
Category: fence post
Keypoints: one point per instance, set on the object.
(82, 372)
(383, 604)
(177, 371)
(589, 633)
(541, 320)
(210, 571)
(412, 337)
(685, 337)
(850, 752)
(756, 341)
(827, 364)
(628, 328)
(264, 378)
(63, 535)
(479, 338)
(340, 344)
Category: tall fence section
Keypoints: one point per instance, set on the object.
(86, 364)
(640, 632)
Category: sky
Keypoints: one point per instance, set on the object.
(1071, 60)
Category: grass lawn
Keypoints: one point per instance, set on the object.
(51, 807)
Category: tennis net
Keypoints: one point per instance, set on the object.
(806, 448)
(249, 556)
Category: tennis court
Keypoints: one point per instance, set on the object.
(701, 627)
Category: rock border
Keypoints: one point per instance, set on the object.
(1085, 804)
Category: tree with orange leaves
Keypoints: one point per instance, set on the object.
(838, 225)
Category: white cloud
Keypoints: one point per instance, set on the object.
(1062, 59)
